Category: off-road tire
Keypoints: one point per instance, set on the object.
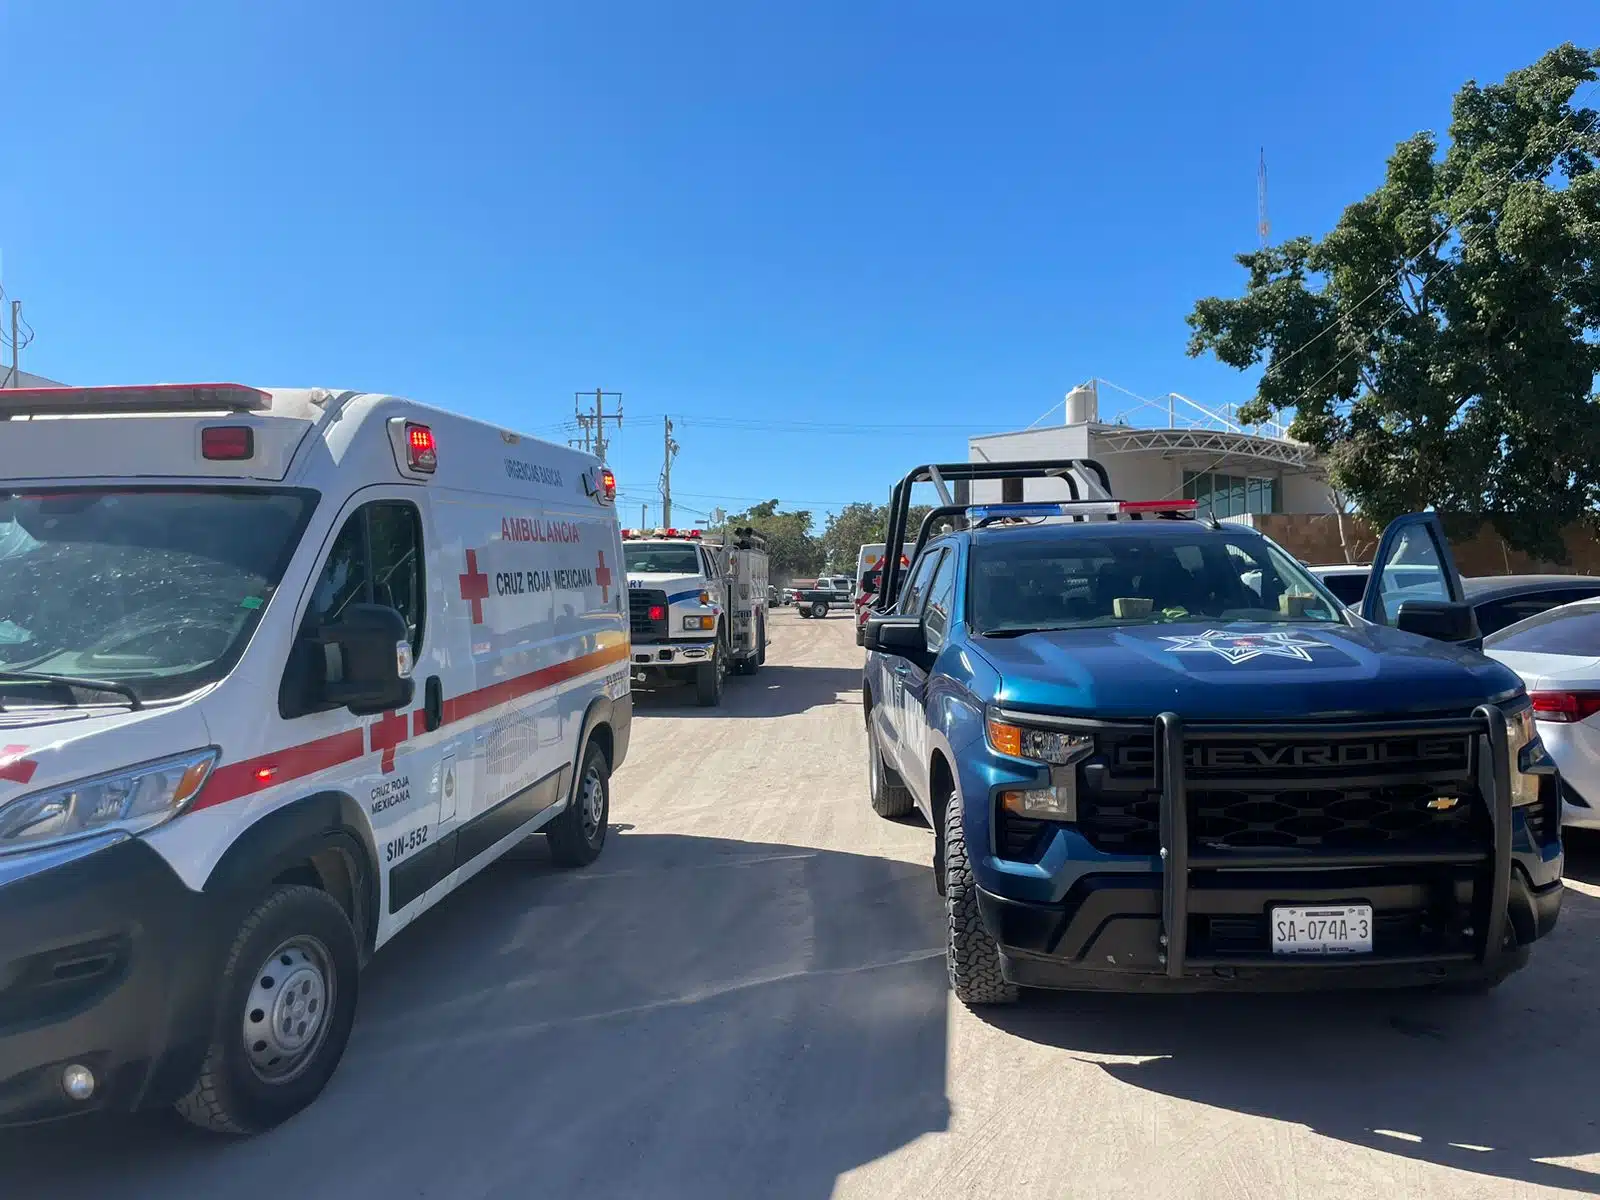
(228, 1096)
(578, 835)
(890, 797)
(971, 954)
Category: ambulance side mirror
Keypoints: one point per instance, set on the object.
(367, 657)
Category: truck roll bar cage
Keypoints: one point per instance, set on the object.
(1085, 478)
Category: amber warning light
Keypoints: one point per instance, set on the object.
(420, 452)
(608, 483)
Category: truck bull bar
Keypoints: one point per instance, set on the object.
(1487, 724)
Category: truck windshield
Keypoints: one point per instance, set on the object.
(660, 558)
(1019, 583)
(155, 589)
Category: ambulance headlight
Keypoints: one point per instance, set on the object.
(133, 800)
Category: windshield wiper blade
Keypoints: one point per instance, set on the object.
(1021, 630)
(88, 685)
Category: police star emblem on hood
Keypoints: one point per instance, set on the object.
(1242, 647)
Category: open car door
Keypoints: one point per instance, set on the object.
(1414, 583)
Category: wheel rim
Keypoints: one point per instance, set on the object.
(287, 1012)
(593, 803)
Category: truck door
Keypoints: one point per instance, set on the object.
(1413, 565)
(906, 684)
(915, 744)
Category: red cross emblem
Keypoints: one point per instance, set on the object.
(602, 576)
(14, 767)
(474, 587)
(388, 733)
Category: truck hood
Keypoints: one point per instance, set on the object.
(1240, 671)
(677, 587)
(45, 747)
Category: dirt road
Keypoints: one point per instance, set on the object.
(745, 997)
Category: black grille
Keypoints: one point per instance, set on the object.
(1362, 818)
(640, 601)
(1298, 792)
(1544, 815)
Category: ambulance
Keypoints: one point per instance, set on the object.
(697, 606)
(279, 671)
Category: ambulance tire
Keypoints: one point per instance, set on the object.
(294, 959)
(708, 682)
(578, 835)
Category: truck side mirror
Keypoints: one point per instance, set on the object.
(367, 654)
(894, 634)
(1442, 620)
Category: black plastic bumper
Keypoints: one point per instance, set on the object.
(106, 962)
(1202, 922)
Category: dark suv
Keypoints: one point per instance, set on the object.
(1157, 753)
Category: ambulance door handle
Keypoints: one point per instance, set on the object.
(433, 703)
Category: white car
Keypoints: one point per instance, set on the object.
(1557, 653)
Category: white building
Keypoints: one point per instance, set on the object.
(1199, 454)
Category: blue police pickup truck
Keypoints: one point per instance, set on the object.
(1156, 753)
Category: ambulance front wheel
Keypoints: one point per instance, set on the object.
(285, 1004)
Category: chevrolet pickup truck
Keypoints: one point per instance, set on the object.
(1157, 753)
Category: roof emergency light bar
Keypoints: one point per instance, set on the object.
(692, 534)
(984, 514)
(150, 398)
(1085, 478)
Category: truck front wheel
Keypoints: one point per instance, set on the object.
(972, 955)
(708, 681)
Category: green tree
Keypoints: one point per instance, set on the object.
(1440, 345)
(862, 524)
(792, 552)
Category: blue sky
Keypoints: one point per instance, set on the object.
(862, 230)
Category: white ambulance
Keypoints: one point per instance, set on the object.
(697, 606)
(279, 670)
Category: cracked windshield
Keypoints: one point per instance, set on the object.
(831, 602)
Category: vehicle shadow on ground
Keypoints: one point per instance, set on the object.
(773, 691)
(1487, 1084)
(687, 1017)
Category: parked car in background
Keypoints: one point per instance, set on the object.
(1557, 653)
(1497, 600)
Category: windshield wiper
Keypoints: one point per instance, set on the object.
(88, 685)
(1020, 630)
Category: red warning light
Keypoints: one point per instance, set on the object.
(227, 443)
(420, 452)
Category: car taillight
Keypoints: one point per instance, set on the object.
(421, 455)
(227, 443)
(1565, 707)
(658, 612)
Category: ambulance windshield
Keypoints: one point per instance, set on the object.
(158, 589)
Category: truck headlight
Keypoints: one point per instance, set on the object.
(132, 800)
(1520, 731)
(699, 622)
(1044, 745)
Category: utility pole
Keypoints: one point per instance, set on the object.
(644, 515)
(1263, 226)
(593, 423)
(16, 343)
(669, 451)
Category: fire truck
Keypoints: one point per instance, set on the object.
(697, 607)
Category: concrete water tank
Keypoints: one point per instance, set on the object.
(1083, 404)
